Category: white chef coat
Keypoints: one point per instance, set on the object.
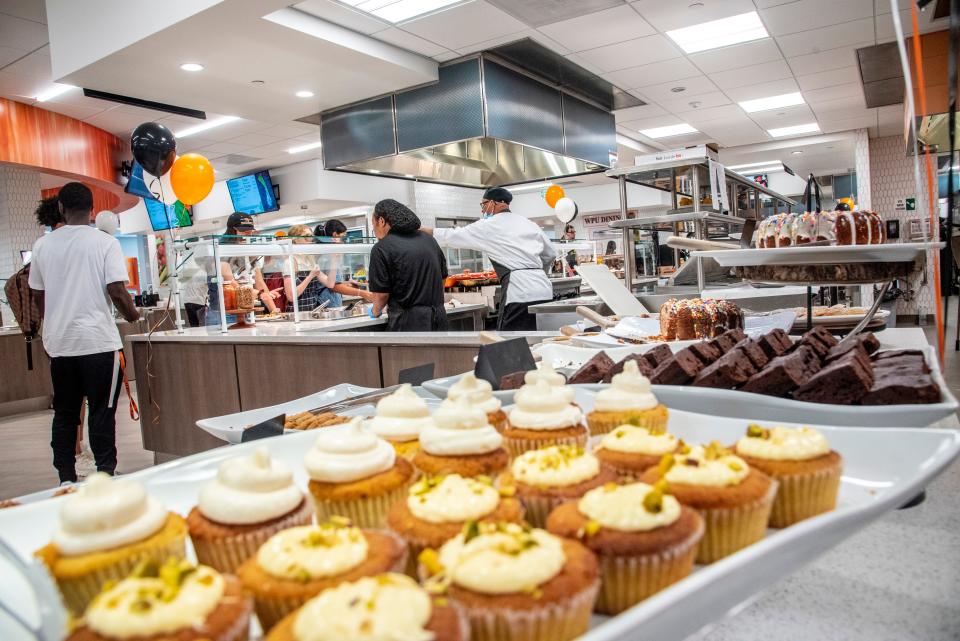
(514, 241)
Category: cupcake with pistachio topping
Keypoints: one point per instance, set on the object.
(380, 608)
(801, 461)
(479, 393)
(733, 498)
(544, 415)
(399, 419)
(297, 564)
(631, 449)
(460, 441)
(643, 538)
(545, 478)
(514, 582)
(627, 400)
(176, 600)
(251, 499)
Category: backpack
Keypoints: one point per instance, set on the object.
(25, 308)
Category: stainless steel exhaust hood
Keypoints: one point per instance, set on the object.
(485, 122)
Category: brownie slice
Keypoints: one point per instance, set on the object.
(706, 352)
(870, 342)
(593, 370)
(819, 339)
(730, 370)
(843, 382)
(658, 354)
(727, 340)
(840, 349)
(902, 389)
(678, 370)
(775, 343)
(916, 360)
(894, 353)
(894, 368)
(642, 364)
(784, 373)
(512, 381)
(754, 352)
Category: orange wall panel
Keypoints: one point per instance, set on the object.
(102, 199)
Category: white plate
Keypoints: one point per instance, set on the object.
(638, 328)
(820, 255)
(841, 321)
(883, 468)
(561, 355)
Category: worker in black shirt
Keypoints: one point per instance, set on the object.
(407, 269)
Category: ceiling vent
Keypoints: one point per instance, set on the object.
(537, 13)
(881, 74)
(238, 159)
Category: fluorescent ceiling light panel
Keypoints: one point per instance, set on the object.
(720, 33)
(763, 163)
(533, 187)
(669, 130)
(301, 148)
(773, 102)
(809, 128)
(210, 124)
(760, 170)
(54, 91)
(399, 10)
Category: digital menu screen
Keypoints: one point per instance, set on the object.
(253, 194)
(167, 216)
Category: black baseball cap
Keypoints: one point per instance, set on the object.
(498, 194)
(240, 222)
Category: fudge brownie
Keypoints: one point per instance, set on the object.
(730, 370)
(784, 373)
(642, 364)
(894, 353)
(658, 354)
(726, 341)
(853, 349)
(775, 343)
(593, 370)
(706, 352)
(894, 366)
(678, 370)
(870, 342)
(902, 389)
(512, 381)
(754, 352)
(843, 382)
(820, 339)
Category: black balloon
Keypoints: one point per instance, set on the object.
(154, 147)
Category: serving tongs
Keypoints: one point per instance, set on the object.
(354, 401)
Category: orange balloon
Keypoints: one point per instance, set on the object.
(191, 178)
(554, 193)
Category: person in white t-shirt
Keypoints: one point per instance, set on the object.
(76, 271)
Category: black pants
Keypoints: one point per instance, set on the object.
(516, 318)
(196, 314)
(417, 319)
(98, 378)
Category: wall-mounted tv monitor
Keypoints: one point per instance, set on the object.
(136, 185)
(253, 194)
(168, 216)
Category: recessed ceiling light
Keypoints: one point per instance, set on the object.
(796, 152)
(408, 175)
(720, 33)
(678, 89)
(669, 130)
(210, 124)
(307, 147)
(767, 169)
(374, 171)
(809, 128)
(399, 10)
(772, 102)
(303, 93)
(192, 66)
(55, 90)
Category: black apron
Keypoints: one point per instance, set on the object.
(503, 274)
(419, 318)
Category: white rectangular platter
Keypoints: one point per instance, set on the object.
(637, 328)
(883, 468)
(819, 255)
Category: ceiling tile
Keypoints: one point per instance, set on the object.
(813, 14)
(22, 34)
(806, 42)
(846, 124)
(542, 12)
(25, 9)
(599, 29)
(493, 42)
(19, 87)
(625, 54)
(839, 108)
(652, 74)
(722, 115)
(766, 72)
(650, 123)
(891, 114)
(409, 42)
(220, 148)
(786, 117)
(145, 115)
(766, 4)
(849, 90)
(704, 101)
(883, 25)
(829, 78)
(342, 15)
(36, 64)
(763, 90)
(548, 42)
(638, 113)
(464, 25)
(737, 56)
(77, 98)
(739, 134)
(827, 60)
(253, 140)
(583, 62)
(673, 15)
(448, 55)
(691, 87)
(9, 54)
(79, 112)
(290, 130)
(115, 122)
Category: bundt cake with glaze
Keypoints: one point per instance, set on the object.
(693, 318)
(833, 227)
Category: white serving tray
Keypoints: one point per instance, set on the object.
(819, 255)
(841, 321)
(883, 468)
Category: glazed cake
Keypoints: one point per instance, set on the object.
(692, 318)
(832, 227)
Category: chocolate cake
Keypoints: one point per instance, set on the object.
(730, 370)
(593, 370)
(512, 381)
(691, 318)
(642, 364)
(754, 352)
(784, 373)
(902, 389)
(727, 340)
(843, 382)
(678, 370)
(775, 343)
(706, 352)
(658, 354)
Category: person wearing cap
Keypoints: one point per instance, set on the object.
(239, 225)
(518, 250)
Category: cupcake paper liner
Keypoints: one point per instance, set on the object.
(538, 508)
(239, 630)
(802, 496)
(560, 621)
(734, 528)
(653, 419)
(498, 420)
(225, 554)
(628, 580)
(368, 512)
(517, 446)
(271, 609)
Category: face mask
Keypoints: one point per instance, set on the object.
(487, 215)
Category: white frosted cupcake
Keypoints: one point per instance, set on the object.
(251, 499)
(356, 474)
(628, 400)
(479, 393)
(400, 418)
(460, 441)
(631, 450)
(544, 415)
(105, 529)
(543, 479)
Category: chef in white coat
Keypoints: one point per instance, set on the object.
(518, 250)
